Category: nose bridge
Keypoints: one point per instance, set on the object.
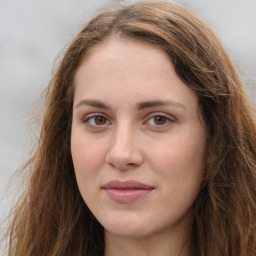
(124, 151)
(123, 137)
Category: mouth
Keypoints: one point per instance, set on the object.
(127, 191)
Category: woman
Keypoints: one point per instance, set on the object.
(147, 146)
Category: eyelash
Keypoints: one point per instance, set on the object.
(168, 119)
(93, 116)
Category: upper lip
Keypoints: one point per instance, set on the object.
(129, 184)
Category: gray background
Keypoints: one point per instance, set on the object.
(33, 35)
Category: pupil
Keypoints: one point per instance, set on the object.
(160, 120)
(100, 120)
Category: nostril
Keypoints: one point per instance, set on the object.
(122, 166)
(131, 164)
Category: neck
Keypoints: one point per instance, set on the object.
(164, 244)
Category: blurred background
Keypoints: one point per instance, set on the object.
(33, 35)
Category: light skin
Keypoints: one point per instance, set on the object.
(134, 119)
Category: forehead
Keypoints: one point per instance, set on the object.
(128, 52)
(129, 69)
(126, 59)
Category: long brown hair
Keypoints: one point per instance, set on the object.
(52, 219)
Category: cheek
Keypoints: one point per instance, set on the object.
(85, 167)
(86, 160)
(179, 151)
(180, 162)
(86, 150)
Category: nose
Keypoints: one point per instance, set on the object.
(124, 151)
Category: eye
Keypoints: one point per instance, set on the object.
(159, 119)
(95, 120)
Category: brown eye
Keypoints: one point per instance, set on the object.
(100, 120)
(95, 121)
(160, 120)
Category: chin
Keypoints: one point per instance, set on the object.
(129, 229)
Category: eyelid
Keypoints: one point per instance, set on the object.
(153, 114)
(87, 117)
(170, 118)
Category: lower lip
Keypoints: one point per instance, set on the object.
(127, 195)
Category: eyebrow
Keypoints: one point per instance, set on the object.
(93, 103)
(139, 106)
(156, 103)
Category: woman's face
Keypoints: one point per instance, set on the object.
(137, 140)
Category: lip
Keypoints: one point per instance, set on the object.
(127, 191)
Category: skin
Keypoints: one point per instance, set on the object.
(131, 143)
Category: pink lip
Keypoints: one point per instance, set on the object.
(126, 191)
